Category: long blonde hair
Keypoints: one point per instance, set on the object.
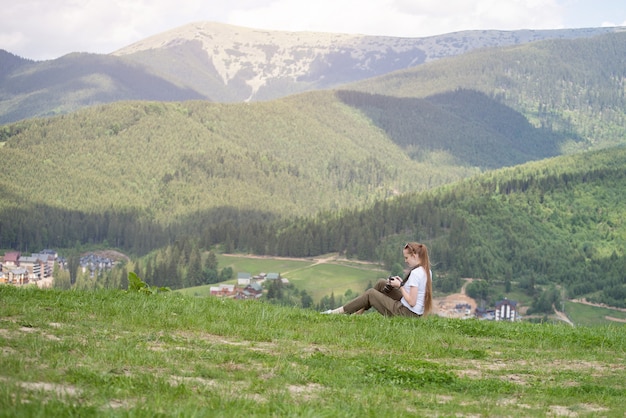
(422, 253)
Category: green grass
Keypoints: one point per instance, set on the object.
(256, 265)
(112, 353)
(581, 314)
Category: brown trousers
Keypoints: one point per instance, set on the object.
(387, 304)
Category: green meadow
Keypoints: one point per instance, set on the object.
(319, 277)
(114, 353)
(583, 314)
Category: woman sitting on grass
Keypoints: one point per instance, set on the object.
(394, 296)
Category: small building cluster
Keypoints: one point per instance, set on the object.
(505, 310)
(18, 269)
(247, 287)
(95, 264)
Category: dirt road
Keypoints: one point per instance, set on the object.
(456, 305)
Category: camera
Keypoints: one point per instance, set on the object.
(388, 286)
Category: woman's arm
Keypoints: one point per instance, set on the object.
(411, 295)
(415, 280)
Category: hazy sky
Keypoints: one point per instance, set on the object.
(46, 29)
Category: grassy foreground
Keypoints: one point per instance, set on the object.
(111, 353)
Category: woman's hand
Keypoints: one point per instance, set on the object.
(395, 282)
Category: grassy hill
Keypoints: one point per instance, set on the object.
(112, 353)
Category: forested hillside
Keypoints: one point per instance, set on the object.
(132, 173)
(139, 176)
(558, 222)
(574, 87)
(461, 127)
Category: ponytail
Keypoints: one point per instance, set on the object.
(422, 252)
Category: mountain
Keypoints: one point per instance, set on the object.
(196, 176)
(10, 63)
(356, 170)
(572, 87)
(37, 89)
(224, 63)
(230, 63)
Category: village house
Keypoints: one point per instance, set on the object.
(11, 260)
(486, 314)
(243, 279)
(506, 310)
(223, 290)
(19, 270)
(247, 287)
(95, 264)
(251, 291)
(14, 273)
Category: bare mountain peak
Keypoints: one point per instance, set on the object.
(220, 34)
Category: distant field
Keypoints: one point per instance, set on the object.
(317, 278)
(581, 314)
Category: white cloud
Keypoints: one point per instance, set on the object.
(400, 17)
(43, 30)
(611, 24)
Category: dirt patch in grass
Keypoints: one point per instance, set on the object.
(59, 390)
(575, 411)
(612, 318)
(304, 392)
(51, 387)
(192, 381)
(477, 369)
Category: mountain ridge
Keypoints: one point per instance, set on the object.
(224, 63)
(265, 55)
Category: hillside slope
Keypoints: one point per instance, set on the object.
(179, 158)
(321, 151)
(462, 128)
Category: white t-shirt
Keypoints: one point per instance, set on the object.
(418, 279)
